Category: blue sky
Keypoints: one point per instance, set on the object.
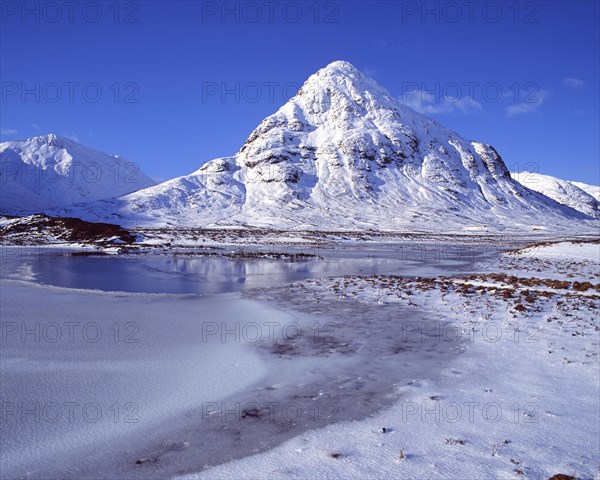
(171, 85)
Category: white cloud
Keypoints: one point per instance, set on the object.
(430, 103)
(573, 82)
(8, 132)
(527, 106)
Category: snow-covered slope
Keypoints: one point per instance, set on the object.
(592, 190)
(17, 200)
(345, 154)
(52, 171)
(563, 191)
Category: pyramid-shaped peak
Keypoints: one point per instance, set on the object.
(346, 93)
(339, 72)
(52, 140)
(340, 76)
(340, 66)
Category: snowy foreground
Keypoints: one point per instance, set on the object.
(474, 370)
(522, 401)
(84, 374)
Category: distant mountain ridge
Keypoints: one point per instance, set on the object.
(51, 171)
(576, 195)
(592, 190)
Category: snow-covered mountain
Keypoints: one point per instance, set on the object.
(592, 190)
(52, 171)
(345, 154)
(563, 191)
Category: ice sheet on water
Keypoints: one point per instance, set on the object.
(85, 374)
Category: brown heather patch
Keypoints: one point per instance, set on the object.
(582, 286)
(67, 229)
(562, 476)
(525, 292)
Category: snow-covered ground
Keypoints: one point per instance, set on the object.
(576, 251)
(469, 370)
(88, 375)
(522, 401)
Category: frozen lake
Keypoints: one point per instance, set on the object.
(186, 273)
(187, 361)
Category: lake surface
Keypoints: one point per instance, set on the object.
(196, 274)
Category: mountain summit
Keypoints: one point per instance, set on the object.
(343, 153)
(54, 171)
